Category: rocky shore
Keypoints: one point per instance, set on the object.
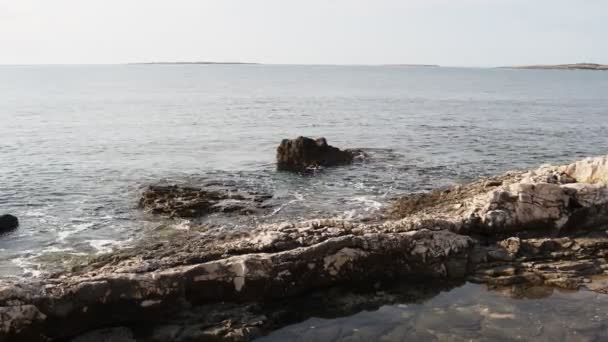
(576, 66)
(545, 226)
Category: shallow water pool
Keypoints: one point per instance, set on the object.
(470, 312)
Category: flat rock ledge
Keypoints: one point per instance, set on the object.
(546, 226)
(197, 201)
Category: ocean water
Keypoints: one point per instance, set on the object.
(79, 143)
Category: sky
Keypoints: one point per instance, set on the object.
(444, 32)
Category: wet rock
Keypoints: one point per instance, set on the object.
(303, 154)
(516, 230)
(564, 282)
(564, 262)
(190, 202)
(504, 270)
(499, 255)
(8, 223)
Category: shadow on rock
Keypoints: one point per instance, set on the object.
(246, 321)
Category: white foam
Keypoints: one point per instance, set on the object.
(36, 213)
(348, 215)
(370, 203)
(55, 249)
(102, 246)
(106, 245)
(183, 225)
(63, 234)
(29, 268)
(298, 198)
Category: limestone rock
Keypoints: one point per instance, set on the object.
(132, 288)
(543, 227)
(523, 201)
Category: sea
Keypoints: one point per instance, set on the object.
(79, 143)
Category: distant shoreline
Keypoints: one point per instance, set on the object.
(194, 63)
(413, 65)
(576, 66)
(253, 63)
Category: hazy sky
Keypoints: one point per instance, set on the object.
(446, 32)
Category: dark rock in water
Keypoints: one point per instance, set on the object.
(184, 201)
(8, 223)
(303, 154)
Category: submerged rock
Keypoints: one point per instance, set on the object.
(303, 154)
(8, 223)
(190, 202)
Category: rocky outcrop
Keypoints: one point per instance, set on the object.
(271, 263)
(189, 202)
(546, 226)
(304, 154)
(566, 262)
(8, 223)
(555, 198)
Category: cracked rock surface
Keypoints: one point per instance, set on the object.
(546, 226)
(192, 202)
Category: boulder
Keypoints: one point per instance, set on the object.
(8, 223)
(304, 154)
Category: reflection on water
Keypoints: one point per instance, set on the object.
(468, 312)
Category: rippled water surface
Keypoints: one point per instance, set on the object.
(468, 313)
(78, 143)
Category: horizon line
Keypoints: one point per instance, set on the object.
(413, 65)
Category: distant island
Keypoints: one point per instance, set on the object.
(203, 62)
(576, 66)
(414, 65)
